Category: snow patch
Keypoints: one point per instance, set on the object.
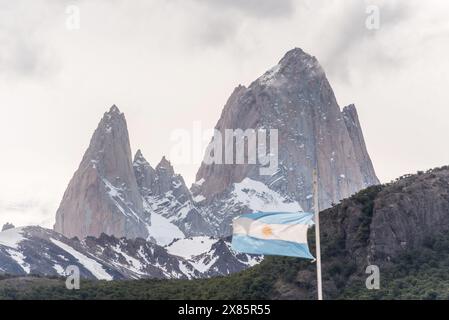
(59, 269)
(161, 229)
(203, 265)
(200, 182)
(199, 198)
(133, 264)
(11, 238)
(93, 266)
(190, 247)
(269, 78)
(188, 273)
(20, 259)
(258, 197)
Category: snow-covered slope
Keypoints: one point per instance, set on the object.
(34, 250)
(211, 256)
(244, 197)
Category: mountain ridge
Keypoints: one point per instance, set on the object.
(36, 251)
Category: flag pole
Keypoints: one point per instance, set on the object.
(317, 234)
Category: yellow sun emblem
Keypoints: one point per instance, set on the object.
(267, 231)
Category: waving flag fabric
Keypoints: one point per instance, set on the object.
(273, 233)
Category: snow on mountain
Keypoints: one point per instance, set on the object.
(258, 197)
(160, 229)
(34, 250)
(190, 247)
(39, 251)
(90, 264)
(168, 202)
(11, 237)
(211, 256)
(244, 197)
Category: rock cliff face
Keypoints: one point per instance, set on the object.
(103, 195)
(295, 98)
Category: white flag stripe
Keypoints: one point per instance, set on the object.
(256, 229)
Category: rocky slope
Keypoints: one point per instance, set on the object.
(38, 251)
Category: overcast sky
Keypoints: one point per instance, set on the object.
(168, 64)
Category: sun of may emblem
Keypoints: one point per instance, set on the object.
(267, 231)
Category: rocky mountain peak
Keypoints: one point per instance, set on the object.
(113, 118)
(297, 100)
(103, 195)
(139, 159)
(296, 66)
(144, 173)
(114, 109)
(165, 166)
(296, 56)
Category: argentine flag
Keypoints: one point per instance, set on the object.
(270, 233)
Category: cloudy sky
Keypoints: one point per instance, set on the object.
(171, 64)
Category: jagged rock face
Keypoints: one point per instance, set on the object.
(38, 251)
(168, 202)
(145, 174)
(295, 98)
(355, 133)
(103, 195)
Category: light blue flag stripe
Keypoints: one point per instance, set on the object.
(247, 244)
(282, 217)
